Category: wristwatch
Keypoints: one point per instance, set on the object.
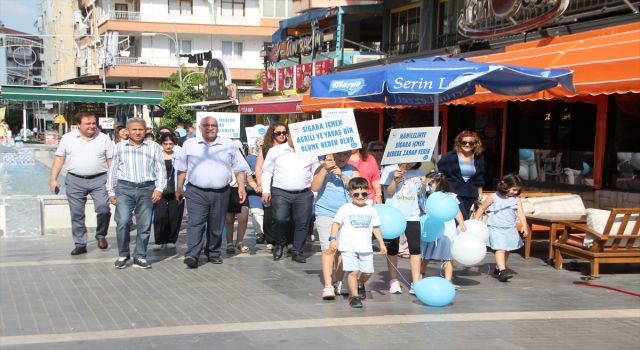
(332, 238)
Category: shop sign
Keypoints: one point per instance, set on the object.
(106, 123)
(269, 81)
(294, 77)
(285, 78)
(303, 75)
(410, 145)
(298, 46)
(488, 19)
(215, 76)
(228, 123)
(335, 132)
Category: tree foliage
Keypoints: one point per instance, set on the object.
(258, 81)
(189, 93)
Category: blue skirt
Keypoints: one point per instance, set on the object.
(504, 238)
(439, 250)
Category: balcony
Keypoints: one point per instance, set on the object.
(403, 48)
(120, 15)
(300, 6)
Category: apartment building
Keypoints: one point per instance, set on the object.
(57, 29)
(20, 62)
(132, 43)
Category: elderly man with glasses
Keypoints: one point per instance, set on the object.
(209, 163)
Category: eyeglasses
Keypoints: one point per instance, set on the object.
(209, 126)
(470, 143)
(358, 194)
(280, 133)
(377, 150)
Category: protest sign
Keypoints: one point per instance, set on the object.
(410, 145)
(106, 123)
(254, 132)
(335, 132)
(228, 123)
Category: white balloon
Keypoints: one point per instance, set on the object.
(478, 228)
(635, 160)
(468, 249)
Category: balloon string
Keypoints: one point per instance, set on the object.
(442, 267)
(399, 273)
(488, 271)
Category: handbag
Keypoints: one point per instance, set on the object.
(170, 188)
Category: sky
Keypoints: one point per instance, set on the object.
(19, 15)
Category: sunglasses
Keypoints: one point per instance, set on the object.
(358, 194)
(470, 143)
(209, 126)
(280, 133)
(377, 150)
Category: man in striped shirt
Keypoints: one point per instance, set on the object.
(135, 181)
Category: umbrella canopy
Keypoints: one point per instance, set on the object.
(420, 82)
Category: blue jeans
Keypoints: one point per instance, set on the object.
(133, 198)
(295, 207)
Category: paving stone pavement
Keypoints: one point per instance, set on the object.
(49, 298)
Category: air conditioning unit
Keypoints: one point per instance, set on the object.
(365, 58)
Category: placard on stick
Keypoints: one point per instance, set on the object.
(410, 145)
(335, 132)
(228, 123)
(255, 132)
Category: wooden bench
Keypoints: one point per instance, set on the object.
(607, 246)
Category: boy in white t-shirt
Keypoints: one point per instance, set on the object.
(356, 221)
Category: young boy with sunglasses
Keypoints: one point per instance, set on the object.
(356, 221)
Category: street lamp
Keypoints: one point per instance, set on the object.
(175, 41)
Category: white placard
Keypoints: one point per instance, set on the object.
(228, 123)
(410, 145)
(106, 123)
(255, 132)
(335, 132)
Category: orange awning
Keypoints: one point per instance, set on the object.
(310, 105)
(604, 61)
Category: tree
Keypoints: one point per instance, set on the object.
(189, 93)
(258, 81)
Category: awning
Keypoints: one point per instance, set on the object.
(605, 61)
(19, 93)
(202, 104)
(306, 17)
(271, 105)
(310, 105)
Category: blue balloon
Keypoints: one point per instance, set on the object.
(431, 230)
(525, 153)
(441, 207)
(585, 168)
(434, 291)
(392, 221)
(224, 232)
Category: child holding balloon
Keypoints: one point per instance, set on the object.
(402, 183)
(440, 249)
(504, 206)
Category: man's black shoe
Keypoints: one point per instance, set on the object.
(362, 293)
(355, 302)
(79, 250)
(298, 258)
(278, 250)
(191, 262)
(122, 261)
(216, 261)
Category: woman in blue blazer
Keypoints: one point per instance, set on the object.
(464, 168)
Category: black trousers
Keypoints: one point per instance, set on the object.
(167, 219)
(267, 227)
(465, 205)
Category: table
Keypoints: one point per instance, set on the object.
(550, 220)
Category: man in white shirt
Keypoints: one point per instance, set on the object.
(290, 195)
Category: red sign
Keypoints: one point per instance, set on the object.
(269, 81)
(303, 75)
(285, 78)
(270, 107)
(323, 67)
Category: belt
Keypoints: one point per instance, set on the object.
(293, 192)
(136, 184)
(209, 189)
(87, 177)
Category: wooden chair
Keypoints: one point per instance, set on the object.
(607, 246)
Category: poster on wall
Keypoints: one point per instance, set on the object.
(410, 145)
(270, 80)
(335, 132)
(303, 75)
(228, 123)
(285, 78)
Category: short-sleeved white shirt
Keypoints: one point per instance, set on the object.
(85, 157)
(356, 226)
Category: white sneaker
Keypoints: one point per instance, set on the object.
(269, 246)
(327, 293)
(394, 287)
(171, 246)
(337, 288)
(157, 246)
(411, 290)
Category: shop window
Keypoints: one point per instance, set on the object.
(277, 8)
(232, 50)
(233, 8)
(404, 31)
(448, 13)
(555, 141)
(626, 146)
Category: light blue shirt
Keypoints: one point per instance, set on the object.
(466, 169)
(211, 166)
(405, 198)
(334, 193)
(137, 164)
(503, 211)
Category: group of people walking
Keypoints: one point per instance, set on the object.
(152, 180)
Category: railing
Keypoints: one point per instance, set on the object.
(120, 15)
(128, 61)
(402, 48)
(172, 62)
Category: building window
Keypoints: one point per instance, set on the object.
(233, 8)
(185, 47)
(404, 30)
(232, 50)
(277, 8)
(180, 7)
(448, 12)
(122, 7)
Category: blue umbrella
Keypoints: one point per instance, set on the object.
(434, 80)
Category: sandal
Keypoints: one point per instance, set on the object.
(259, 239)
(405, 256)
(242, 248)
(230, 248)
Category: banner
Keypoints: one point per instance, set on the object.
(228, 123)
(255, 132)
(410, 145)
(106, 123)
(335, 132)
